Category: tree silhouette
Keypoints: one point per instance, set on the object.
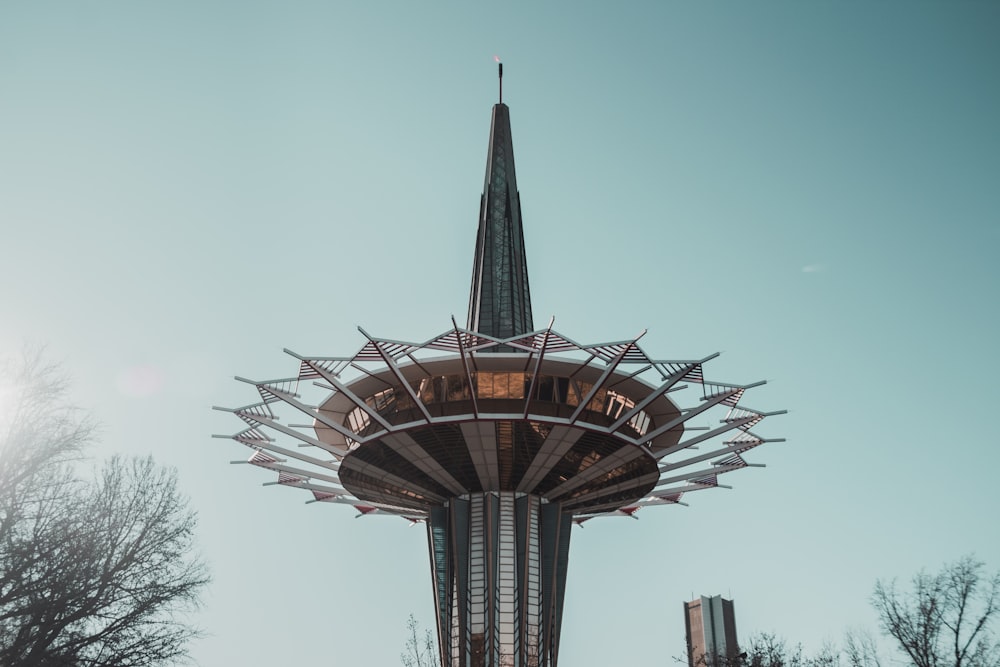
(420, 650)
(94, 572)
(946, 619)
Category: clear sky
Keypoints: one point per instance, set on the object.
(811, 188)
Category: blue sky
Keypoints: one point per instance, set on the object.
(812, 188)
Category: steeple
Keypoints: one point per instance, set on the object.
(500, 301)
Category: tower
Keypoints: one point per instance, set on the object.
(710, 628)
(499, 437)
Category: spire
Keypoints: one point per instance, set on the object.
(500, 302)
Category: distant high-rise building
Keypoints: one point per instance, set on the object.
(710, 625)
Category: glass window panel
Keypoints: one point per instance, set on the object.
(518, 385)
(485, 382)
(577, 390)
(545, 388)
(640, 422)
(561, 389)
(426, 391)
(597, 403)
(456, 388)
(501, 385)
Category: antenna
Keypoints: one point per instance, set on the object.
(500, 68)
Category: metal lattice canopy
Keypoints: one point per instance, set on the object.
(401, 427)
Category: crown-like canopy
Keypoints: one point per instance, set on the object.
(500, 301)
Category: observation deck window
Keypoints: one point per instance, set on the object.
(501, 386)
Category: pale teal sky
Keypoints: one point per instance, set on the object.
(812, 188)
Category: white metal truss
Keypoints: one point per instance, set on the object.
(278, 444)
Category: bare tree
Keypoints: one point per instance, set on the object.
(420, 651)
(829, 655)
(763, 649)
(93, 572)
(947, 619)
(767, 649)
(861, 649)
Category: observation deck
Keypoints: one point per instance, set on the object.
(410, 425)
(502, 427)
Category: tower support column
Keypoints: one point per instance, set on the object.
(499, 561)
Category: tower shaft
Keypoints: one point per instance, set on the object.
(499, 565)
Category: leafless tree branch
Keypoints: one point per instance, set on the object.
(92, 572)
(945, 619)
(420, 651)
